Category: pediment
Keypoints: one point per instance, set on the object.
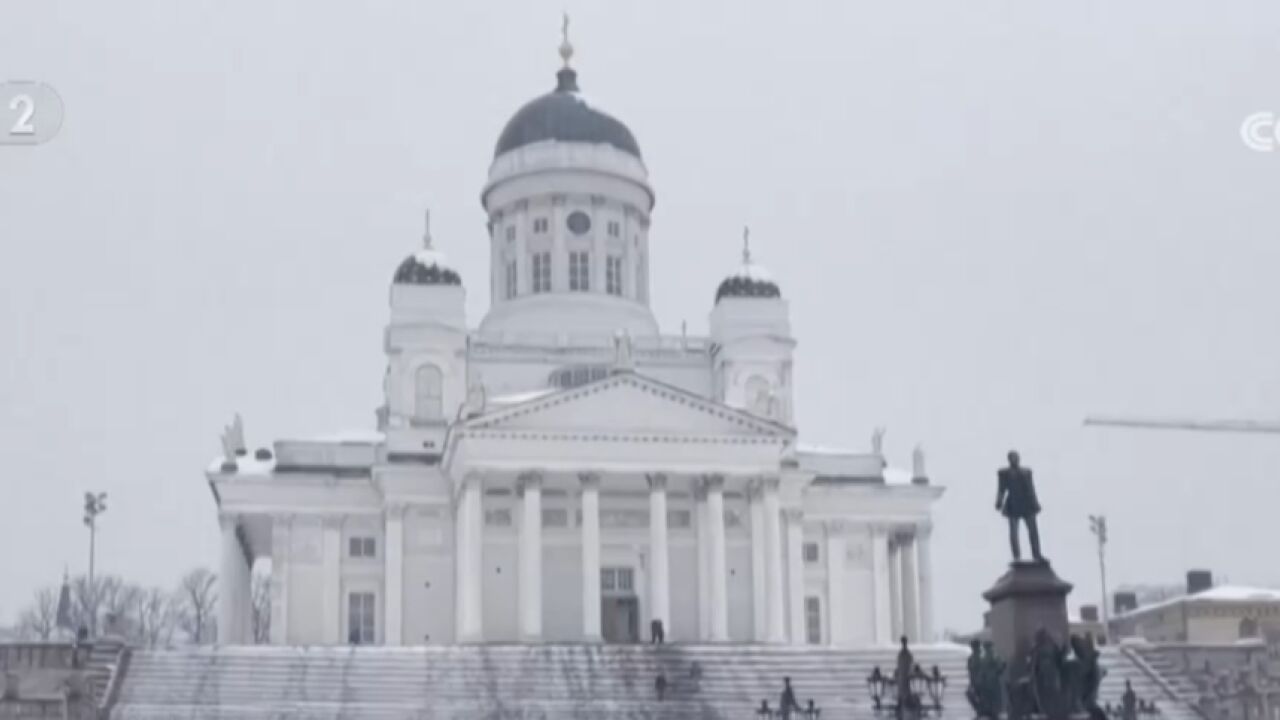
(630, 404)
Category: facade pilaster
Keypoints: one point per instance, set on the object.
(836, 604)
(773, 561)
(759, 613)
(882, 598)
(530, 549)
(331, 578)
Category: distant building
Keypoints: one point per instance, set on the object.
(1204, 614)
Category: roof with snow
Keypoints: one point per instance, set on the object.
(1222, 594)
(426, 267)
(563, 116)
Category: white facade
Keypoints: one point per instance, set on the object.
(565, 471)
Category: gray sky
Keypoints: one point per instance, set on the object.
(990, 219)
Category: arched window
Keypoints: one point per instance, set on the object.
(428, 403)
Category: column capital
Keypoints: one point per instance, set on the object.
(469, 479)
(924, 529)
(838, 526)
(711, 482)
(657, 481)
(770, 484)
(589, 479)
(793, 515)
(528, 480)
(333, 522)
(282, 521)
(395, 509)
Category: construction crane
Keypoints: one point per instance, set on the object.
(1219, 426)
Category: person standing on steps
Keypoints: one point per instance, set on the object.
(787, 703)
(660, 685)
(657, 635)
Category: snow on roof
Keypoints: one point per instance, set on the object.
(1222, 593)
(752, 271)
(520, 397)
(897, 476)
(358, 435)
(824, 450)
(429, 257)
(246, 465)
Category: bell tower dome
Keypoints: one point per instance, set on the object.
(568, 200)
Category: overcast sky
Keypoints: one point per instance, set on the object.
(990, 219)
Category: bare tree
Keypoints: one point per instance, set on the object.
(195, 602)
(260, 591)
(40, 619)
(86, 601)
(156, 617)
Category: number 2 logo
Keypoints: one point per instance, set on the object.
(26, 108)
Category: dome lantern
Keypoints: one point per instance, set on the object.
(749, 280)
(427, 266)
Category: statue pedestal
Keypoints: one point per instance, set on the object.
(1028, 597)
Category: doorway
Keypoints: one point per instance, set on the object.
(619, 606)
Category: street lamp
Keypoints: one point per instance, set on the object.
(94, 505)
(1098, 526)
(765, 711)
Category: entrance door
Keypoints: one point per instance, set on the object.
(619, 606)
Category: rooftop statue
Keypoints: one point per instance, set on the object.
(1016, 498)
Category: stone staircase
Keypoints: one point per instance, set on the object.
(524, 682)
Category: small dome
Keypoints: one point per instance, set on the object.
(562, 115)
(427, 266)
(749, 279)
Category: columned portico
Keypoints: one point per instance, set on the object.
(714, 485)
(469, 557)
(233, 602)
(530, 550)
(393, 574)
(924, 558)
(773, 573)
(882, 596)
(659, 555)
(590, 536)
(795, 574)
(910, 586)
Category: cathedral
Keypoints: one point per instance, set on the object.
(565, 471)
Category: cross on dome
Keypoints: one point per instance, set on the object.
(426, 229)
(566, 47)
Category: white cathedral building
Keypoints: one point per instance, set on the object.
(565, 471)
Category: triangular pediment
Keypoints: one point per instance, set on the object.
(627, 403)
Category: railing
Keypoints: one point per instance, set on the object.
(47, 656)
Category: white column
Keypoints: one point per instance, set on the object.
(895, 587)
(795, 574)
(281, 560)
(910, 590)
(470, 555)
(881, 600)
(659, 556)
(331, 580)
(702, 520)
(759, 613)
(716, 564)
(393, 575)
(924, 557)
(229, 580)
(590, 556)
(773, 562)
(837, 611)
(530, 580)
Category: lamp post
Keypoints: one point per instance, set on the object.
(94, 505)
(1098, 526)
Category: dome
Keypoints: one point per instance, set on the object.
(427, 266)
(749, 279)
(562, 115)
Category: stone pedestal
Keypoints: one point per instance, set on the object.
(1028, 597)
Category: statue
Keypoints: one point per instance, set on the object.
(1129, 702)
(228, 450)
(1090, 674)
(877, 441)
(237, 435)
(1046, 662)
(1016, 498)
(917, 463)
(622, 352)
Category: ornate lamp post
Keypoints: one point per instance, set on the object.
(94, 505)
(907, 698)
(811, 711)
(764, 711)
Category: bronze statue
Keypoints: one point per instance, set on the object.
(1016, 498)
